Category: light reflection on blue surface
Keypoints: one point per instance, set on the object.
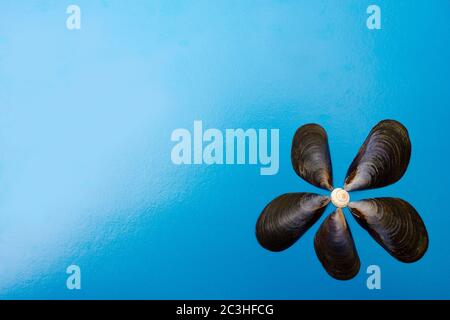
(85, 124)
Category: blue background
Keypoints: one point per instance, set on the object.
(85, 124)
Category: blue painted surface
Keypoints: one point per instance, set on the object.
(85, 124)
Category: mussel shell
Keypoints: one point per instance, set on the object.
(285, 219)
(335, 247)
(382, 159)
(310, 156)
(394, 224)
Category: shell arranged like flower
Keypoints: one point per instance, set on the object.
(392, 222)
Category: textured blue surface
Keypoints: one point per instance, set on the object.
(85, 124)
